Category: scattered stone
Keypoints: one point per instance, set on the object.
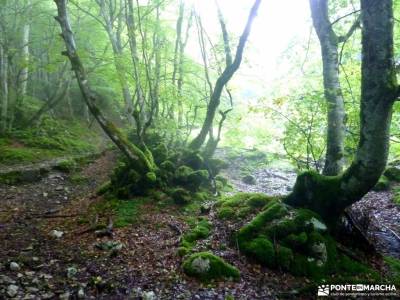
(64, 296)
(149, 295)
(12, 290)
(14, 266)
(81, 293)
(71, 272)
(5, 279)
(59, 188)
(56, 234)
(110, 245)
(29, 297)
(32, 289)
(45, 194)
(48, 295)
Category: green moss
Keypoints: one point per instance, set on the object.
(151, 177)
(318, 193)
(393, 174)
(383, 184)
(193, 159)
(261, 249)
(181, 196)
(104, 188)
(206, 267)
(126, 212)
(182, 251)
(201, 231)
(296, 240)
(222, 180)
(284, 257)
(396, 196)
(160, 153)
(78, 179)
(258, 200)
(394, 270)
(168, 166)
(226, 213)
(242, 204)
(11, 177)
(216, 165)
(182, 174)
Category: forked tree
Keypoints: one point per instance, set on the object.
(330, 195)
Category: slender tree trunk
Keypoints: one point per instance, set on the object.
(334, 160)
(3, 89)
(25, 55)
(226, 75)
(141, 159)
(330, 195)
(329, 41)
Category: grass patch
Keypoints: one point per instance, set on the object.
(49, 140)
(394, 270)
(124, 212)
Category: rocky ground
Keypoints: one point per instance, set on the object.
(47, 252)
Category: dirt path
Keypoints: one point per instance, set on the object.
(147, 266)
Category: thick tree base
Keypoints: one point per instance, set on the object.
(321, 194)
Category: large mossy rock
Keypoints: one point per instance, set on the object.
(294, 240)
(241, 205)
(206, 267)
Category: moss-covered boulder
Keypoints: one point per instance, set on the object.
(241, 205)
(193, 159)
(181, 196)
(206, 267)
(293, 240)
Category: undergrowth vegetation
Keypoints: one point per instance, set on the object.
(49, 140)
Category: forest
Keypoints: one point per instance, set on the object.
(187, 149)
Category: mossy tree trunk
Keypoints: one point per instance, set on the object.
(141, 159)
(222, 80)
(329, 196)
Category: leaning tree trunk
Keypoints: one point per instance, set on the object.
(222, 80)
(329, 196)
(142, 160)
(334, 159)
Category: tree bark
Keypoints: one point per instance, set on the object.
(136, 156)
(334, 160)
(223, 79)
(330, 195)
(3, 89)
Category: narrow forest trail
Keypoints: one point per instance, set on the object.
(147, 267)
